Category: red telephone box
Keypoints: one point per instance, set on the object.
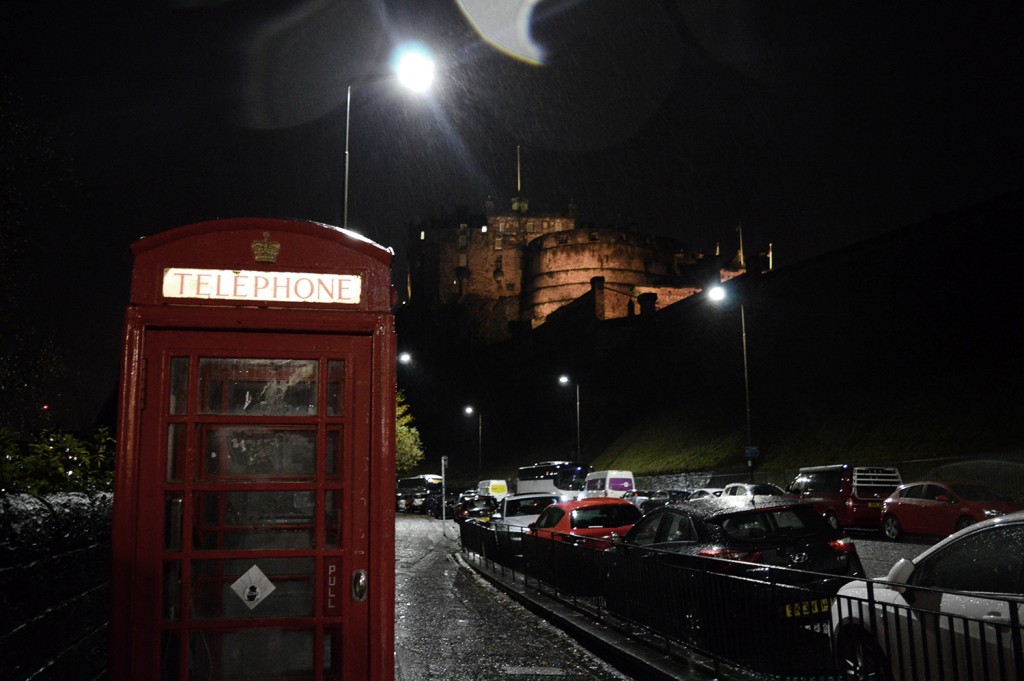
(253, 529)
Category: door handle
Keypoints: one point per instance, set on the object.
(360, 584)
(995, 617)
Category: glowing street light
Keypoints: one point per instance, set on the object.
(414, 67)
(404, 358)
(469, 411)
(565, 380)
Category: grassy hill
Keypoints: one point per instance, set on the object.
(904, 347)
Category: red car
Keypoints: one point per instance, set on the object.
(576, 521)
(941, 508)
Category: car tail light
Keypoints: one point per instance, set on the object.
(731, 554)
(843, 545)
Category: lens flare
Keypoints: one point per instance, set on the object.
(505, 24)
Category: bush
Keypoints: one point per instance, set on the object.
(55, 462)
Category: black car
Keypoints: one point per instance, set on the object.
(478, 507)
(766, 531)
(664, 497)
(745, 576)
(434, 506)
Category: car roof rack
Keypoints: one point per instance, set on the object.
(876, 477)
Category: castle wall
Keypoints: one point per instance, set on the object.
(487, 262)
(560, 268)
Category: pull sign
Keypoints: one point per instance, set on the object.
(332, 595)
(360, 582)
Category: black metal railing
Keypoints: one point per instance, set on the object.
(980, 639)
(775, 623)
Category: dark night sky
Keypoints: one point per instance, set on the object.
(813, 124)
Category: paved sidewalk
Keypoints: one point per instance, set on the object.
(453, 625)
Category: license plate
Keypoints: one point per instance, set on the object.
(809, 608)
(874, 504)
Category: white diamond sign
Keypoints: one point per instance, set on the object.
(253, 587)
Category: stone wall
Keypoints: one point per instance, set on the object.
(54, 587)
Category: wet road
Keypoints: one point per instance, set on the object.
(879, 555)
(451, 625)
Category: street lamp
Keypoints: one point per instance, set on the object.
(717, 294)
(404, 358)
(565, 380)
(479, 439)
(414, 68)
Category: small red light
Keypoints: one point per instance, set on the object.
(843, 545)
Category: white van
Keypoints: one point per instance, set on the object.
(607, 484)
(495, 488)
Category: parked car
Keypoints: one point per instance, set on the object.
(451, 502)
(576, 521)
(702, 492)
(412, 493)
(946, 614)
(749, 489)
(747, 578)
(510, 521)
(479, 507)
(607, 484)
(847, 496)
(776, 531)
(495, 488)
(637, 496)
(941, 508)
(519, 510)
(664, 497)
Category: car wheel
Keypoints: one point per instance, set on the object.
(963, 522)
(859, 658)
(891, 527)
(832, 520)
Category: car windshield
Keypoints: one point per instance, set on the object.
(605, 516)
(773, 524)
(528, 506)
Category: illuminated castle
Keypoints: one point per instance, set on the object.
(515, 268)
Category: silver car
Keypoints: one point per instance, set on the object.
(954, 612)
(514, 514)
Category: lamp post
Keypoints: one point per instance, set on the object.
(565, 380)
(479, 439)
(414, 68)
(717, 294)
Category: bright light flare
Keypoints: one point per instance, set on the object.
(563, 379)
(716, 293)
(404, 357)
(414, 67)
(468, 410)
